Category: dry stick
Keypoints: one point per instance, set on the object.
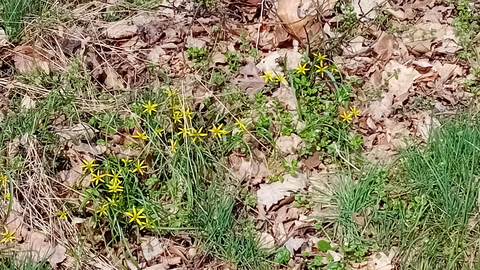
(261, 22)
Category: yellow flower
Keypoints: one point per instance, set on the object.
(186, 113)
(139, 167)
(6, 196)
(135, 216)
(173, 145)
(159, 131)
(333, 68)
(183, 132)
(7, 236)
(281, 79)
(177, 116)
(126, 161)
(320, 58)
(114, 186)
(301, 69)
(196, 134)
(321, 69)
(241, 126)
(115, 176)
(147, 224)
(170, 92)
(267, 75)
(347, 117)
(89, 165)
(354, 111)
(97, 177)
(218, 131)
(61, 215)
(3, 179)
(149, 107)
(103, 210)
(112, 201)
(139, 135)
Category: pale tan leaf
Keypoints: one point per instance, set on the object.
(288, 144)
(152, 247)
(269, 194)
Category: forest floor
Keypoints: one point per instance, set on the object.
(243, 134)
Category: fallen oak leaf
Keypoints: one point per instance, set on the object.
(270, 194)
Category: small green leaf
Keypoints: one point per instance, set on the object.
(329, 257)
(324, 246)
(282, 256)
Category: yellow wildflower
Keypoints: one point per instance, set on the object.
(147, 224)
(140, 135)
(321, 58)
(267, 75)
(139, 167)
(97, 177)
(173, 145)
(301, 69)
(89, 165)
(103, 210)
(112, 201)
(6, 195)
(114, 186)
(170, 92)
(136, 216)
(149, 107)
(241, 126)
(177, 116)
(7, 236)
(218, 131)
(183, 132)
(321, 69)
(187, 113)
(159, 131)
(126, 161)
(347, 117)
(354, 111)
(61, 215)
(3, 179)
(281, 79)
(196, 134)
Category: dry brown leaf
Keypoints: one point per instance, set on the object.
(397, 89)
(249, 80)
(293, 244)
(113, 79)
(266, 241)
(37, 248)
(152, 247)
(288, 144)
(157, 267)
(289, 10)
(27, 102)
(366, 7)
(377, 261)
(121, 29)
(270, 194)
(285, 97)
(78, 132)
(28, 58)
(384, 47)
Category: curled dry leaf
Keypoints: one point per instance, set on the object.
(288, 12)
(285, 96)
(270, 194)
(121, 29)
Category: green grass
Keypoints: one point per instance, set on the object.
(13, 13)
(11, 263)
(425, 204)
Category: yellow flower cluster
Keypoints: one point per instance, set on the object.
(348, 116)
(136, 216)
(269, 77)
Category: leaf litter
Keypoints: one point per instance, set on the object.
(402, 66)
